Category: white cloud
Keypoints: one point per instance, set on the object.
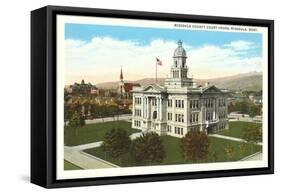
(241, 45)
(100, 60)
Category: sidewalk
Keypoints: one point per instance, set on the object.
(84, 160)
(230, 138)
(253, 157)
(77, 156)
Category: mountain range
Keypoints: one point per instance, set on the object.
(251, 81)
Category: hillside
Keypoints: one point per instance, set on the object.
(245, 81)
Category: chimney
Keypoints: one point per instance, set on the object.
(207, 84)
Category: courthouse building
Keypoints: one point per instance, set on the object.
(179, 106)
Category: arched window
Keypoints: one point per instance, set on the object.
(155, 115)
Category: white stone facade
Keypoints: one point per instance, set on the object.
(179, 106)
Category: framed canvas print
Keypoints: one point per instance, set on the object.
(125, 96)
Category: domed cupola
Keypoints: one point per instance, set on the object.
(180, 51)
(180, 56)
(179, 70)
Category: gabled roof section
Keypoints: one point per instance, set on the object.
(154, 89)
(212, 89)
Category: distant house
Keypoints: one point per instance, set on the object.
(124, 88)
(257, 99)
(251, 96)
(236, 97)
(83, 89)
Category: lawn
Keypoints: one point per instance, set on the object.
(93, 132)
(174, 156)
(70, 166)
(236, 129)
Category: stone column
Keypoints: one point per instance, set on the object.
(142, 106)
(161, 107)
(217, 108)
(147, 107)
(158, 108)
(214, 109)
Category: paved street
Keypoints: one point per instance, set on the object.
(123, 117)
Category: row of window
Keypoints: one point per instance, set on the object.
(209, 103)
(194, 118)
(179, 118)
(137, 112)
(137, 100)
(170, 116)
(137, 123)
(183, 74)
(179, 103)
(194, 104)
(153, 102)
(176, 74)
(209, 116)
(178, 130)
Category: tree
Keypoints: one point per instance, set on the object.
(116, 142)
(148, 149)
(195, 146)
(68, 113)
(76, 121)
(229, 152)
(252, 135)
(242, 149)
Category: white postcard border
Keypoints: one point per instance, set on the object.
(87, 173)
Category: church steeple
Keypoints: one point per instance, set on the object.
(121, 74)
(121, 84)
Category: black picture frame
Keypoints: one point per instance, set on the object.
(43, 95)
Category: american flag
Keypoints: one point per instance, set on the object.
(158, 62)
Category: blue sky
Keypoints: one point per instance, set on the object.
(144, 36)
(243, 49)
